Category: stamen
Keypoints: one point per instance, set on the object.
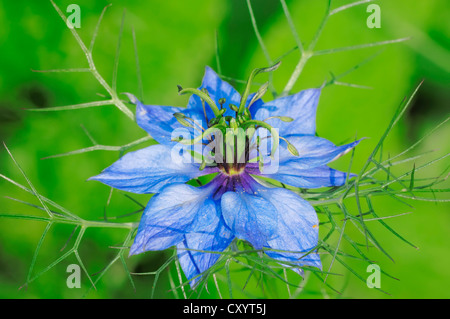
(282, 118)
(206, 133)
(260, 156)
(181, 118)
(274, 132)
(222, 102)
(291, 148)
(233, 107)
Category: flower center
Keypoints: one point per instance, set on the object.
(232, 171)
(232, 149)
(232, 152)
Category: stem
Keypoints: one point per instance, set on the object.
(261, 43)
(292, 26)
(99, 147)
(306, 55)
(296, 74)
(69, 221)
(117, 102)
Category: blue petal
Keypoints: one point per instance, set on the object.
(308, 170)
(187, 263)
(313, 151)
(322, 176)
(301, 107)
(215, 237)
(255, 106)
(156, 120)
(178, 210)
(217, 89)
(250, 217)
(150, 169)
(297, 231)
(159, 122)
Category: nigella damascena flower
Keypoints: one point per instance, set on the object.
(234, 203)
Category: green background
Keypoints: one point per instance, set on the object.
(175, 40)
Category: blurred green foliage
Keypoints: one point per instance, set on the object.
(175, 40)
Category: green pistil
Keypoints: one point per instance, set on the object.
(254, 73)
(203, 96)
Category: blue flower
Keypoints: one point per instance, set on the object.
(202, 221)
